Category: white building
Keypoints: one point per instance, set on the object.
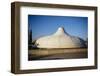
(60, 39)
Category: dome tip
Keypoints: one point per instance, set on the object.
(61, 28)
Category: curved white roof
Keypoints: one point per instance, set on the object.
(60, 39)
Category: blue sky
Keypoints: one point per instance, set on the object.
(43, 25)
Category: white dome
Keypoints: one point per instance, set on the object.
(60, 39)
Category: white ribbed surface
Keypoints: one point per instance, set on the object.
(60, 39)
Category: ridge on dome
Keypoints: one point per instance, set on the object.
(60, 31)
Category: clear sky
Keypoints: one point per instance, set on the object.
(43, 25)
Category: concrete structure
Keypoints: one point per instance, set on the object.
(60, 39)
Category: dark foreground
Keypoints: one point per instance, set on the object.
(52, 54)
